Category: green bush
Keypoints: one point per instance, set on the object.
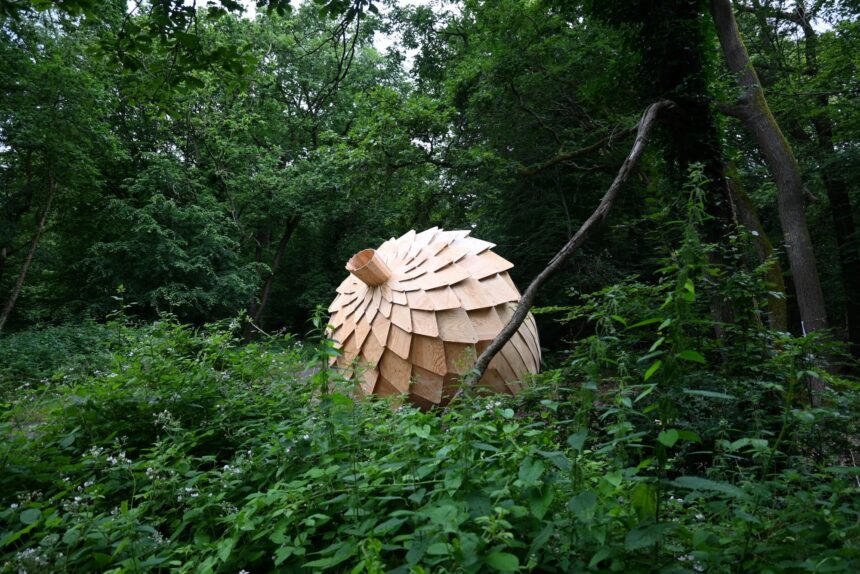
(196, 454)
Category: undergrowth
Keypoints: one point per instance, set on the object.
(664, 442)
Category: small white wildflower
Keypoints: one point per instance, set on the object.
(13, 506)
(243, 571)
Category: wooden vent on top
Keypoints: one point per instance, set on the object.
(414, 314)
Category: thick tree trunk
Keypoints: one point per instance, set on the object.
(754, 112)
(28, 260)
(645, 126)
(258, 307)
(748, 217)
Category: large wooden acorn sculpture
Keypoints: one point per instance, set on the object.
(414, 314)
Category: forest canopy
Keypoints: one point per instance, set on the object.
(182, 184)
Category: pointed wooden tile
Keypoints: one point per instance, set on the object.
(428, 353)
(401, 317)
(385, 308)
(380, 327)
(362, 328)
(374, 305)
(459, 357)
(396, 371)
(419, 300)
(455, 326)
(398, 298)
(372, 349)
(399, 341)
(384, 388)
(424, 323)
(499, 290)
(486, 323)
(426, 384)
(368, 380)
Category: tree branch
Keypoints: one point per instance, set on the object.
(643, 131)
(568, 155)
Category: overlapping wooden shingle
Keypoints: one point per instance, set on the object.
(413, 315)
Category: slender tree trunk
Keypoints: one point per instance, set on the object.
(258, 307)
(748, 217)
(645, 126)
(754, 112)
(28, 260)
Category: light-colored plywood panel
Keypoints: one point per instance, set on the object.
(471, 294)
(424, 323)
(374, 304)
(362, 328)
(368, 380)
(499, 290)
(428, 353)
(426, 384)
(399, 341)
(459, 357)
(455, 326)
(385, 308)
(401, 316)
(372, 349)
(419, 300)
(486, 323)
(384, 388)
(443, 298)
(396, 371)
(398, 297)
(494, 380)
(380, 327)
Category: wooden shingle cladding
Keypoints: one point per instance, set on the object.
(437, 300)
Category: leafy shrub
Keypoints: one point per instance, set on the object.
(35, 355)
(196, 454)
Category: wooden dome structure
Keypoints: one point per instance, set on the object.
(414, 314)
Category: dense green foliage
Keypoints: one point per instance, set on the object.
(181, 186)
(185, 450)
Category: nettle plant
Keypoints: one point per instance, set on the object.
(712, 421)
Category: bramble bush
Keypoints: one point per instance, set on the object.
(194, 453)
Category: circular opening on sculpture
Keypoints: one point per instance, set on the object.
(369, 267)
(360, 259)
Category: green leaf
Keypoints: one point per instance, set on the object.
(539, 502)
(645, 322)
(698, 483)
(645, 393)
(644, 536)
(691, 355)
(643, 498)
(389, 525)
(558, 459)
(503, 561)
(708, 394)
(225, 547)
(668, 437)
(31, 516)
(531, 470)
(652, 369)
(577, 439)
(583, 505)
